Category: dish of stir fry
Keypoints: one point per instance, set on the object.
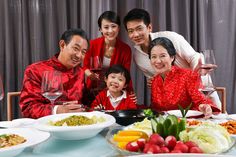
(8, 140)
(77, 121)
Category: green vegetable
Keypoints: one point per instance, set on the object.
(184, 111)
(210, 137)
(166, 126)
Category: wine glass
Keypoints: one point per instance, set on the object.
(207, 87)
(95, 64)
(51, 86)
(1, 89)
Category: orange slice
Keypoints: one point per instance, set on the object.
(118, 138)
(133, 133)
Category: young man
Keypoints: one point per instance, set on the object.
(73, 46)
(138, 25)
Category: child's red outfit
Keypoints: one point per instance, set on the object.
(105, 99)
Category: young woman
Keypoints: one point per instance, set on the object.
(109, 49)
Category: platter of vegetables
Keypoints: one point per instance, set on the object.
(169, 134)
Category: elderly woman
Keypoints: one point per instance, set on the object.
(173, 86)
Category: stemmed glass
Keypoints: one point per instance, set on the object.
(207, 87)
(95, 64)
(1, 89)
(51, 86)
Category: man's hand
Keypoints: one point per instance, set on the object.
(92, 75)
(70, 107)
(149, 82)
(133, 97)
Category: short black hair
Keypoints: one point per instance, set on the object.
(110, 16)
(68, 34)
(118, 68)
(164, 42)
(137, 14)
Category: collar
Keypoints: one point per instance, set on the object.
(151, 36)
(112, 99)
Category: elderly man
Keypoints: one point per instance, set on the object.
(73, 46)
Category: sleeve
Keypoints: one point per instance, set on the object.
(185, 49)
(32, 103)
(198, 98)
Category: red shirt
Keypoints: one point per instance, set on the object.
(32, 103)
(102, 98)
(180, 86)
(121, 55)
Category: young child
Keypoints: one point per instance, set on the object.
(115, 97)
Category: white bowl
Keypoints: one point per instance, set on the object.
(31, 135)
(74, 132)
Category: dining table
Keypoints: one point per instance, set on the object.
(96, 146)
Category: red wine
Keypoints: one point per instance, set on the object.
(207, 91)
(96, 70)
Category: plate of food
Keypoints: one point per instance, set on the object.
(205, 138)
(190, 113)
(14, 141)
(75, 126)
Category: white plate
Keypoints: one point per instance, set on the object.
(74, 132)
(190, 113)
(181, 155)
(16, 123)
(32, 137)
(233, 116)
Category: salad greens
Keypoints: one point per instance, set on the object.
(210, 137)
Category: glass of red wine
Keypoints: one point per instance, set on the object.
(52, 86)
(207, 86)
(95, 64)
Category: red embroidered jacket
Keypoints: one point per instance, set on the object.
(121, 55)
(102, 98)
(180, 86)
(32, 103)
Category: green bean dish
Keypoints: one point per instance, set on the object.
(77, 121)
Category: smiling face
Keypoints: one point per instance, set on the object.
(72, 54)
(115, 82)
(138, 32)
(109, 30)
(161, 61)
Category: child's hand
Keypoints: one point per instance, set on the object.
(206, 110)
(99, 107)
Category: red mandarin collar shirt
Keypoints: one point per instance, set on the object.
(103, 99)
(180, 86)
(32, 103)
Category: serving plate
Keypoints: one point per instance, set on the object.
(31, 135)
(74, 132)
(113, 144)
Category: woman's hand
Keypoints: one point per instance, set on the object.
(206, 110)
(69, 107)
(149, 82)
